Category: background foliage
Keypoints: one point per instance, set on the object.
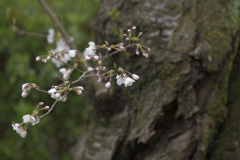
(57, 132)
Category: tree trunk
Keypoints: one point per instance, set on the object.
(185, 104)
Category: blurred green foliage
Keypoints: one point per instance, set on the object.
(57, 132)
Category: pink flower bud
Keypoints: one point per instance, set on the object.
(99, 80)
(108, 85)
(127, 39)
(46, 107)
(38, 58)
(109, 49)
(97, 68)
(134, 28)
(79, 92)
(145, 54)
(129, 30)
(135, 77)
(48, 57)
(40, 103)
(100, 55)
(149, 49)
(125, 35)
(25, 93)
(137, 53)
(104, 68)
(80, 87)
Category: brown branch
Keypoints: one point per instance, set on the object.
(115, 52)
(21, 32)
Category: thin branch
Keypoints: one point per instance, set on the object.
(68, 64)
(21, 32)
(51, 108)
(40, 90)
(115, 52)
(80, 77)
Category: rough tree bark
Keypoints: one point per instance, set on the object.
(185, 104)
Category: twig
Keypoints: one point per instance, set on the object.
(40, 90)
(21, 32)
(115, 52)
(68, 64)
(51, 108)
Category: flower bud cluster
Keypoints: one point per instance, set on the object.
(28, 118)
(131, 36)
(19, 129)
(145, 54)
(27, 87)
(59, 92)
(78, 89)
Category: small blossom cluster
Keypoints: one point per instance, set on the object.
(127, 81)
(59, 93)
(29, 118)
(119, 47)
(78, 89)
(90, 52)
(132, 37)
(27, 87)
(62, 51)
(58, 58)
(66, 73)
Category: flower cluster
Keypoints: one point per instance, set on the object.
(127, 81)
(62, 54)
(27, 87)
(58, 93)
(21, 128)
(66, 73)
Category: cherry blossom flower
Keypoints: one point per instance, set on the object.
(26, 89)
(108, 85)
(16, 126)
(90, 51)
(66, 73)
(51, 35)
(135, 77)
(72, 53)
(89, 68)
(56, 95)
(23, 133)
(28, 118)
(128, 81)
(121, 79)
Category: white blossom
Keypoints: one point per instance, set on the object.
(26, 86)
(23, 133)
(25, 93)
(90, 51)
(135, 77)
(28, 118)
(72, 53)
(89, 68)
(37, 119)
(121, 79)
(65, 72)
(128, 81)
(79, 92)
(108, 85)
(17, 127)
(51, 35)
